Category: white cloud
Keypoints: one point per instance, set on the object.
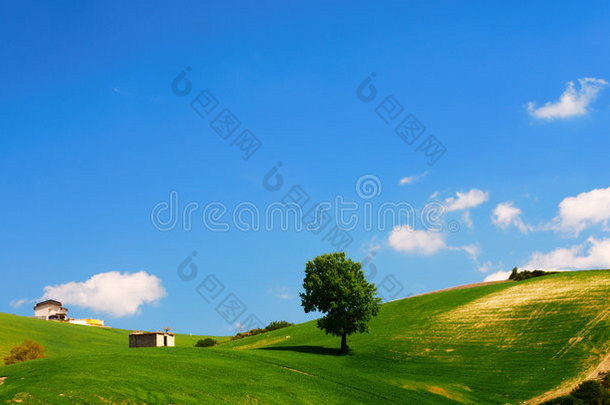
(490, 266)
(467, 219)
(505, 215)
(405, 239)
(498, 276)
(467, 200)
(471, 250)
(113, 293)
(411, 179)
(584, 210)
(572, 102)
(281, 293)
(592, 254)
(485, 267)
(19, 302)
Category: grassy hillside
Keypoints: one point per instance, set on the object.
(67, 339)
(499, 343)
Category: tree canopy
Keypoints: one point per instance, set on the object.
(336, 286)
(517, 275)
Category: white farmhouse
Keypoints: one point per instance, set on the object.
(50, 310)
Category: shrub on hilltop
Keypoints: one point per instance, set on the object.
(517, 275)
(275, 325)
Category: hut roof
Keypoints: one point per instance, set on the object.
(139, 332)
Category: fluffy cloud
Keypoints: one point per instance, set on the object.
(463, 201)
(584, 210)
(592, 254)
(573, 102)
(112, 293)
(574, 215)
(411, 179)
(498, 276)
(405, 239)
(505, 215)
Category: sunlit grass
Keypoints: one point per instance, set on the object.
(499, 343)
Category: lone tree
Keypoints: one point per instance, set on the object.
(336, 286)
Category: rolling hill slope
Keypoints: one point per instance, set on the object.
(493, 344)
(67, 339)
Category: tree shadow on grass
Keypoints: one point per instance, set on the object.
(306, 349)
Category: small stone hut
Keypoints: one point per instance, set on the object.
(152, 339)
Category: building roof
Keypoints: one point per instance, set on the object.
(139, 332)
(48, 302)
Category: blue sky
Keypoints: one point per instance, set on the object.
(93, 138)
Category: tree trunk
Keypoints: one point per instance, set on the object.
(344, 348)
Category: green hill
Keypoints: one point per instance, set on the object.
(493, 344)
(62, 339)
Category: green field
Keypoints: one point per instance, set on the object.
(493, 344)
